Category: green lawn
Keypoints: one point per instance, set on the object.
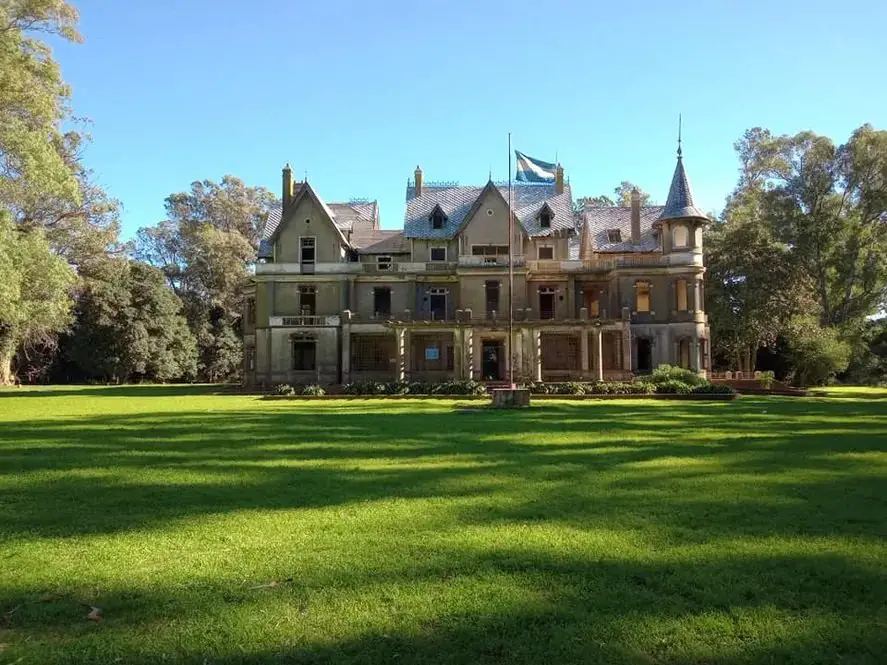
(226, 529)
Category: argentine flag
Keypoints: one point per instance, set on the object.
(533, 170)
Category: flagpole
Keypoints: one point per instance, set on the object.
(510, 275)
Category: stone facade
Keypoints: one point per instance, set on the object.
(603, 293)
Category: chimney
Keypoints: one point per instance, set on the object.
(418, 190)
(635, 216)
(287, 186)
(559, 180)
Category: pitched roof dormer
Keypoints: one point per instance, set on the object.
(545, 216)
(437, 218)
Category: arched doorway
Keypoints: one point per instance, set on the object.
(645, 354)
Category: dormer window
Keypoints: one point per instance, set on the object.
(438, 218)
(614, 235)
(545, 217)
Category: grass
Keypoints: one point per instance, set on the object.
(223, 529)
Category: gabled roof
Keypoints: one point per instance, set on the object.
(377, 241)
(348, 218)
(680, 197)
(600, 219)
(457, 201)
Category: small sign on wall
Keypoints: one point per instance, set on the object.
(432, 352)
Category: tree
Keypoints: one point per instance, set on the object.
(35, 288)
(205, 248)
(621, 197)
(829, 204)
(33, 101)
(817, 353)
(129, 326)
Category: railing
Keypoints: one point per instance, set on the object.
(489, 261)
(303, 320)
(406, 267)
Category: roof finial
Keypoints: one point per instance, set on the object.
(679, 136)
(490, 177)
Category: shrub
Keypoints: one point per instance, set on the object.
(713, 389)
(283, 389)
(397, 388)
(597, 388)
(571, 388)
(466, 387)
(313, 390)
(673, 387)
(766, 379)
(671, 373)
(420, 388)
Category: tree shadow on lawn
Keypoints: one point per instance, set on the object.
(556, 607)
(145, 390)
(555, 461)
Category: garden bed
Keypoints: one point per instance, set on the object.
(717, 397)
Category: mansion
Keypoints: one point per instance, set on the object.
(602, 292)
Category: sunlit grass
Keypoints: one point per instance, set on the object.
(226, 529)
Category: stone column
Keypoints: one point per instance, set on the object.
(401, 354)
(599, 353)
(583, 350)
(469, 353)
(458, 354)
(537, 355)
(571, 297)
(269, 358)
(626, 348)
(352, 296)
(697, 295)
(694, 354)
(346, 350)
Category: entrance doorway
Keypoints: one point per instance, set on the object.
(491, 360)
(645, 354)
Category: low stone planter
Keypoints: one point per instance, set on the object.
(510, 398)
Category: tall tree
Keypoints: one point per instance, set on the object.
(35, 285)
(129, 326)
(829, 204)
(33, 101)
(205, 248)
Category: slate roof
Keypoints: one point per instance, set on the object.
(353, 219)
(456, 202)
(603, 218)
(680, 197)
(377, 241)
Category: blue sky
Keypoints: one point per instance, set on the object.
(358, 93)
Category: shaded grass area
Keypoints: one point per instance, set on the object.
(226, 529)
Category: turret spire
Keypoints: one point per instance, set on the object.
(680, 202)
(679, 136)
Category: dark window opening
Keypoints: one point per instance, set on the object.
(437, 219)
(614, 235)
(491, 360)
(492, 297)
(307, 250)
(384, 263)
(382, 301)
(645, 354)
(437, 304)
(546, 253)
(438, 253)
(307, 300)
(251, 311)
(546, 302)
(304, 354)
(371, 353)
(545, 220)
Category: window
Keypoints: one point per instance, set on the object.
(681, 295)
(306, 247)
(593, 302)
(545, 219)
(642, 296)
(438, 218)
(304, 354)
(560, 352)
(684, 353)
(307, 300)
(384, 263)
(251, 311)
(491, 289)
(382, 301)
(250, 359)
(372, 353)
(437, 303)
(438, 253)
(681, 236)
(614, 235)
(546, 302)
(546, 253)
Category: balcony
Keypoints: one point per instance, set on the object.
(304, 321)
(489, 261)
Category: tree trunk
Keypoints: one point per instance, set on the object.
(6, 353)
